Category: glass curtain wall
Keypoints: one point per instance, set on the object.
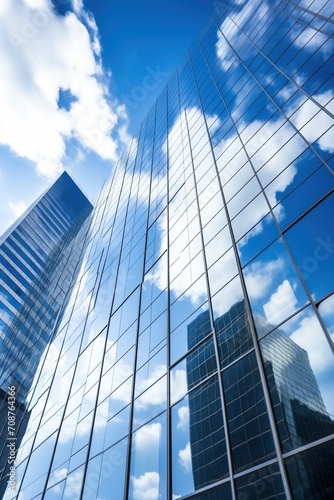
(195, 358)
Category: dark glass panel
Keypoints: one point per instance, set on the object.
(250, 432)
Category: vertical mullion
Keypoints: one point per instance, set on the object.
(129, 449)
(169, 410)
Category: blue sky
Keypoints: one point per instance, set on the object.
(102, 64)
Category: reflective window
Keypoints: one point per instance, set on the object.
(198, 440)
(196, 367)
(227, 297)
(260, 236)
(219, 492)
(151, 371)
(249, 216)
(149, 461)
(116, 428)
(152, 402)
(222, 271)
(188, 302)
(311, 472)
(106, 470)
(261, 484)
(194, 329)
(218, 246)
(308, 193)
(326, 310)
(233, 333)
(315, 257)
(250, 433)
(274, 288)
(300, 369)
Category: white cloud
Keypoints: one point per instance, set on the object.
(77, 6)
(148, 436)
(310, 39)
(73, 484)
(42, 53)
(179, 384)
(319, 6)
(59, 474)
(156, 395)
(229, 30)
(183, 414)
(281, 304)
(310, 337)
(259, 277)
(314, 123)
(146, 486)
(157, 372)
(185, 458)
(326, 309)
(17, 209)
(227, 297)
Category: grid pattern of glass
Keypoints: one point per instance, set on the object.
(195, 359)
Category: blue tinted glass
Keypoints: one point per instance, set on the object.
(315, 257)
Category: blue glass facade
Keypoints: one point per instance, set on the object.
(195, 357)
(40, 257)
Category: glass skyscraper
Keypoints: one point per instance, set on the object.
(39, 260)
(195, 356)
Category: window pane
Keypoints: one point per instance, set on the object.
(262, 484)
(198, 440)
(274, 288)
(149, 461)
(300, 369)
(192, 370)
(249, 427)
(311, 472)
(315, 257)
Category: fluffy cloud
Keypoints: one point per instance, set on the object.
(43, 54)
(229, 30)
(185, 458)
(315, 123)
(179, 384)
(146, 486)
(308, 37)
(157, 372)
(310, 337)
(73, 484)
(281, 304)
(59, 474)
(148, 436)
(156, 395)
(183, 414)
(326, 310)
(259, 277)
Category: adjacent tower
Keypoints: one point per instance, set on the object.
(40, 257)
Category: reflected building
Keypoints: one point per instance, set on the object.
(291, 377)
(195, 356)
(40, 256)
(299, 408)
